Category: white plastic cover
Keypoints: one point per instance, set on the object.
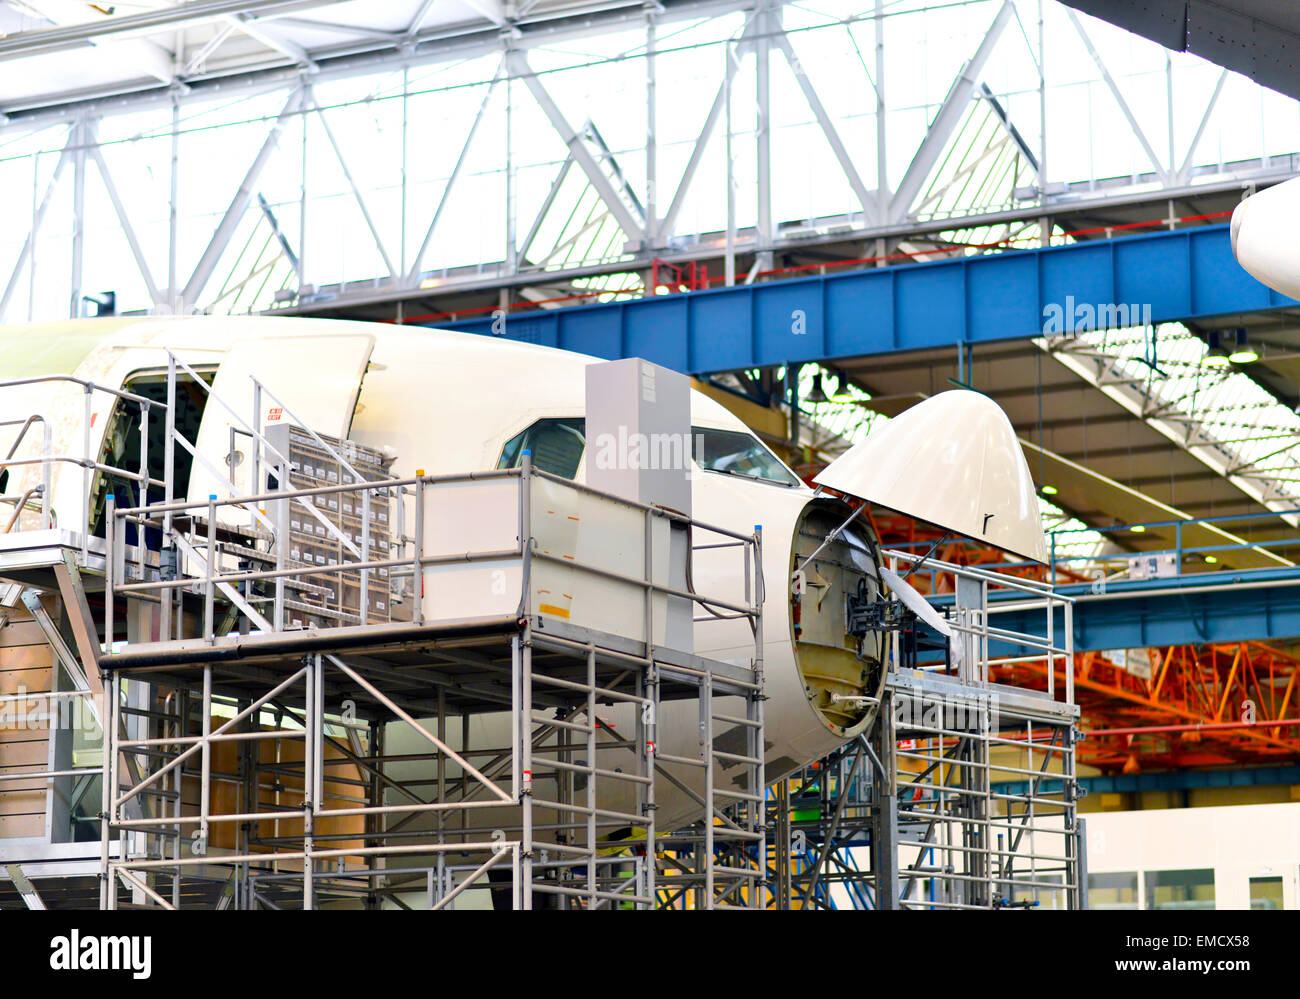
(952, 461)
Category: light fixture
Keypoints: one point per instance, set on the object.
(1211, 559)
(818, 394)
(841, 393)
(1138, 529)
(1049, 490)
(1216, 355)
(1241, 350)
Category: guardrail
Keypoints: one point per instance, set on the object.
(1184, 552)
(202, 552)
(219, 542)
(87, 460)
(973, 615)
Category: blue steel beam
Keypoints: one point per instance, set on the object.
(1181, 275)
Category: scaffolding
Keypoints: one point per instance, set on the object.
(927, 811)
(350, 815)
(525, 783)
(269, 737)
(271, 740)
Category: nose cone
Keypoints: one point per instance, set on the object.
(1238, 217)
(1263, 236)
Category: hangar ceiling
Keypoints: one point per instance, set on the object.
(1257, 38)
(58, 52)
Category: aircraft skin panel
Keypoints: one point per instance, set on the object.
(447, 402)
(104, 351)
(316, 378)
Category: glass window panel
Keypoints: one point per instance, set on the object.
(1266, 893)
(1192, 889)
(1113, 890)
(738, 453)
(556, 446)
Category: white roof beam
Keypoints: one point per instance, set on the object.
(196, 62)
(235, 213)
(253, 28)
(493, 10)
(1115, 92)
(350, 30)
(74, 35)
(669, 222)
(1184, 434)
(949, 117)
(520, 69)
(866, 198)
(65, 157)
(417, 20)
(141, 53)
(413, 272)
(119, 207)
(367, 52)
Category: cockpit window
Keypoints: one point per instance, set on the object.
(556, 444)
(738, 453)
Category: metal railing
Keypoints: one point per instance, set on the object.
(972, 614)
(146, 571)
(88, 458)
(206, 550)
(1200, 556)
(214, 536)
(1183, 552)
